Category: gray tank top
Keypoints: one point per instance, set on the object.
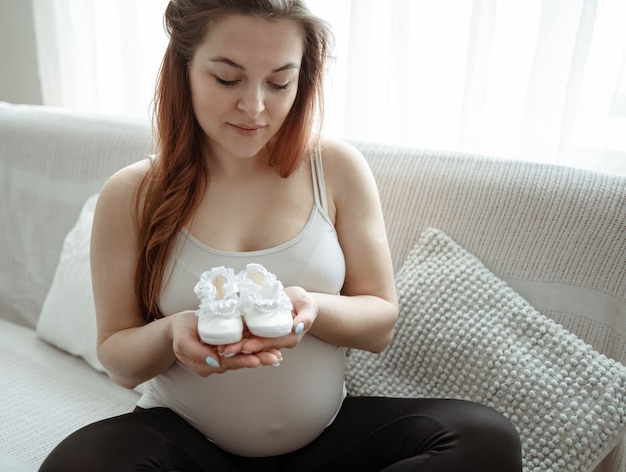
(270, 410)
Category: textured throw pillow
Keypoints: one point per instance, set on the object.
(463, 333)
(68, 315)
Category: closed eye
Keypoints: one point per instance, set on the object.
(232, 83)
(279, 87)
(226, 83)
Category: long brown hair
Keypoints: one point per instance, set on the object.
(172, 188)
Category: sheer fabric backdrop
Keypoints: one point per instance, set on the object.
(540, 80)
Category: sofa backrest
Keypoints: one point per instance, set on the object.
(557, 235)
(51, 161)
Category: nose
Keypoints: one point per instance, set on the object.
(252, 101)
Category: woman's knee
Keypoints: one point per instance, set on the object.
(490, 435)
(94, 447)
(111, 444)
(494, 424)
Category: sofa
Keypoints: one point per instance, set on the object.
(511, 278)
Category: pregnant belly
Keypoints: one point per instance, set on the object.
(259, 412)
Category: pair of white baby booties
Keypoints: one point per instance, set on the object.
(227, 299)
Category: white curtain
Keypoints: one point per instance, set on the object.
(100, 55)
(541, 80)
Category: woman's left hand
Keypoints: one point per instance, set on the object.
(305, 313)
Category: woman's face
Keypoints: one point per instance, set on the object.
(244, 80)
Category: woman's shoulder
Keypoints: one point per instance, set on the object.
(127, 180)
(343, 163)
(340, 152)
(120, 191)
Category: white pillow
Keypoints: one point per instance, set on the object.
(68, 315)
(463, 333)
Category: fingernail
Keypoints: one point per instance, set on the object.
(300, 327)
(229, 354)
(276, 365)
(212, 362)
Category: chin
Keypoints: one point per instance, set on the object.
(245, 153)
(247, 150)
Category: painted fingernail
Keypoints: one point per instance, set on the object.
(300, 327)
(229, 354)
(276, 365)
(212, 362)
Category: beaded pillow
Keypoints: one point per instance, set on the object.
(463, 333)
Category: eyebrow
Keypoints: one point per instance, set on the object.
(228, 62)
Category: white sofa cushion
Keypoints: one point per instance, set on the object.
(46, 395)
(68, 316)
(464, 333)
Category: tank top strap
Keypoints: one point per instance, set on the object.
(319, 186)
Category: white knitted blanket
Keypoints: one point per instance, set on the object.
(45, 395)
(463, 333)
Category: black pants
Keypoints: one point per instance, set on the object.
(369, 434)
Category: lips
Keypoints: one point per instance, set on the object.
(246, 129)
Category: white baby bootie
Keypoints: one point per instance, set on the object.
(265, 306)
(219, 318)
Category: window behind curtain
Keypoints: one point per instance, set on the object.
(541, 80)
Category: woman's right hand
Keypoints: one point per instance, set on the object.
(203, 358)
